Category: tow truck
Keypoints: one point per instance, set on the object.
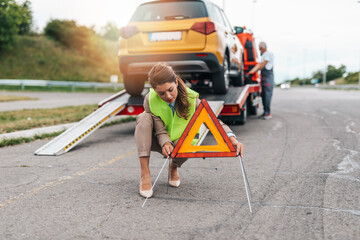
(233, 107)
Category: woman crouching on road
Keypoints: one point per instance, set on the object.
(169, 107)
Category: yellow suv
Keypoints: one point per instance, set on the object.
(194, 37)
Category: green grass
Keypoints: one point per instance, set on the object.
(37, 57)
(16, 141)
(340, 81)
(11, 121)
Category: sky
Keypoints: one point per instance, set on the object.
(304, 35)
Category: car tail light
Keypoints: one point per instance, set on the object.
(128, 31)
(132, 110)
(129, 58)
(204, 27)
(230, 110)
(201, 55)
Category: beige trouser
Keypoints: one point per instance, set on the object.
(146, 140)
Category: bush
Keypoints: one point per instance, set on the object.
(331, 73)
(14, 19)
(352, 77)
(69, 34)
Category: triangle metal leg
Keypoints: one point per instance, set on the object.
(152, 187)
(246, 183)
(168, 183)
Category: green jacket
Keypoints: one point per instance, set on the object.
(174, 124)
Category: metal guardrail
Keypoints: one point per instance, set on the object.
(47, 83)
(342, 86)
(320, 86)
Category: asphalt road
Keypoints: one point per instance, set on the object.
(303, 166)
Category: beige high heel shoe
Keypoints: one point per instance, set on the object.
(146, 193)
(174, 183)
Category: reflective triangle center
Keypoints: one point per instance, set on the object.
(204, 117)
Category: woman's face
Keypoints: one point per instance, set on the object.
(167, 92)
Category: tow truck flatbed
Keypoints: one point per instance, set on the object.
(231, 96)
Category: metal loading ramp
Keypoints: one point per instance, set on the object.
(74, 135)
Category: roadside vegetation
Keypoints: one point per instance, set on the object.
(38, 57)
(333, 73)
(64, 50)
(15, 20)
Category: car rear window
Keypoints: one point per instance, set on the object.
(160, 11)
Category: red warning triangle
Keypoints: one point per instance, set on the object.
(203, 114)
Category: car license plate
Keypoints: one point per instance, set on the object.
(164, 36)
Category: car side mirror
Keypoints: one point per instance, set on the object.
(238, 30)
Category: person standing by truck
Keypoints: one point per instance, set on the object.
(266, 66)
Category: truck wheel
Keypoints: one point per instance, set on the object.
(238, 81)
(134, 85)
(221, 80)
(241, 120)
(252, 110)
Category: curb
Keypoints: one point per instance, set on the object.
(44, 130)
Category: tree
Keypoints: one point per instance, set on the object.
(14, 19)
(69, 34)
(27, 19)
(331, 73)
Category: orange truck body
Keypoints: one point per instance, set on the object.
(250, 54)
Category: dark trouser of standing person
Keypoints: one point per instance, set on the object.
(267, 85)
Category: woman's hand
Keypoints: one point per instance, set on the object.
(167, 149)
(238, 146)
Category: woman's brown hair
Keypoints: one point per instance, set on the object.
(162, 73)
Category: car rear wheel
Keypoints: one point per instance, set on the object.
(252, 110)
(134, 85)
(241, 119)
(239, 80)
(221, 80)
